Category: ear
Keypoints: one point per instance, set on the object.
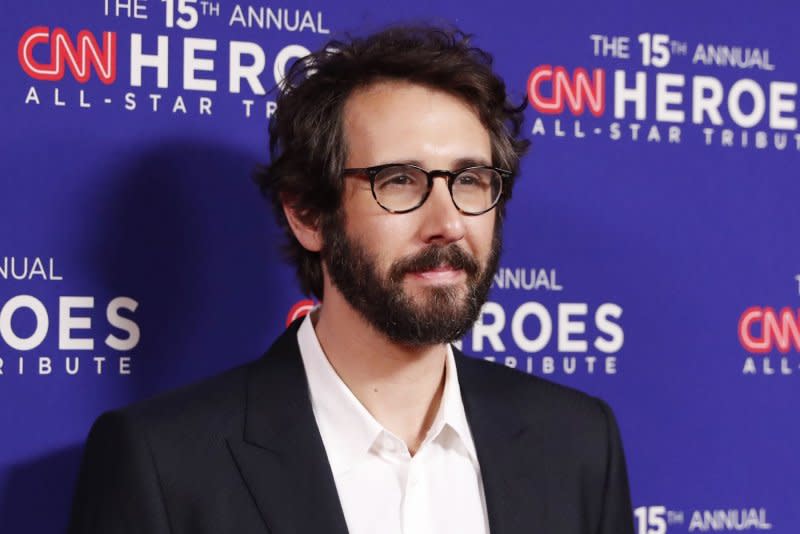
(306, 231)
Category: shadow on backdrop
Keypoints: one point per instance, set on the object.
(187, 234)
(182, 229)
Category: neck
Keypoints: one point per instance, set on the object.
(400, 386)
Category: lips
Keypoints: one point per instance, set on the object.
(440, 273)
(438, 268)
(443, 264)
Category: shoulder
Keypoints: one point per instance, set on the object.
(574, 430)
(217, 404)
(211, 402)
(556, 437)
(535, 399)
(209, 411)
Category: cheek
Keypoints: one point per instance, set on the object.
(381, 234)
(363, 215)
(482, 232)
(390, 239)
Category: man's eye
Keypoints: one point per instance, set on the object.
(468, 180)
(398, 180)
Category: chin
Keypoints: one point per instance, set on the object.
(438, 297)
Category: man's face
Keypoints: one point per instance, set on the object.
(419, 277)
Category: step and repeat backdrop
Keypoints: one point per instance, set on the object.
(651, 250)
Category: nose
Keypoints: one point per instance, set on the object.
(441, 223)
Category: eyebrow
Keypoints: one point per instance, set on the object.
(459, 163)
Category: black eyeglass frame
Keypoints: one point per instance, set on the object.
(451, 176)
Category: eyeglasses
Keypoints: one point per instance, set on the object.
(400, 188)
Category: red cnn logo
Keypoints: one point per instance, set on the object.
(300, 309)
(79, 56)
(777, 328)
(578, 91)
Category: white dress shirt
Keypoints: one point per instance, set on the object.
(382, 488)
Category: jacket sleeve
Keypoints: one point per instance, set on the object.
(118, 490)
(617, 514)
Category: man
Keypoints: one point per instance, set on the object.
(393, 158)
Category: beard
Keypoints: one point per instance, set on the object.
(441, 314)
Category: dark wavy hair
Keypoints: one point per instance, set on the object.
(307, 145)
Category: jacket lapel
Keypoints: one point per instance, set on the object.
(513, 465)
(283, 461)
(281, 455)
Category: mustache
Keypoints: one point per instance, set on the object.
(433, 257)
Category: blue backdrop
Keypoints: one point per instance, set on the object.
(650, 253)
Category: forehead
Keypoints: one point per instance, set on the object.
(394, 121)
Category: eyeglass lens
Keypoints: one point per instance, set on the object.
(401, 188)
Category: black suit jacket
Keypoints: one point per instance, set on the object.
(241, 453)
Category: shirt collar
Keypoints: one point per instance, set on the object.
(346, 426)
(451, 410)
